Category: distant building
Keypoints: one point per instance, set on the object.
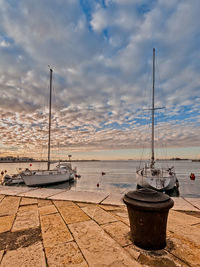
(15, 159)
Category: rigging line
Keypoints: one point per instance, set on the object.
(149, 131)
(54, 121)
(56, 105)
(158, 73)
(141, 158)
(163, 117)
(147, 91)
(146, 96)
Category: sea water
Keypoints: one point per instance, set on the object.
(119, 176)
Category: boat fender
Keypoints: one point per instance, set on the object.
(192, 176)
(177, 183)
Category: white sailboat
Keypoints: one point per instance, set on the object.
(63, 171)
(162, 179)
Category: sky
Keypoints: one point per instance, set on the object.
(101, 55)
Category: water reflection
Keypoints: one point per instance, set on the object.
(174, 192)
(65, 185)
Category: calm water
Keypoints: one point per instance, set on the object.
(120, 175)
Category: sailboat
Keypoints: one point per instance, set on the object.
(150, 176)
(63, 171)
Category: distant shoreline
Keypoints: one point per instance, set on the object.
(32, 161)
(92, 160)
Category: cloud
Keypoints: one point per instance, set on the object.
(101, 54)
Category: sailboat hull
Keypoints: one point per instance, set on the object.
(156, 182)
(46, 178)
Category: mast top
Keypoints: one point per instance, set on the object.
(51, 70)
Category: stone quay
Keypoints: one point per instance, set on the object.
(59, 227)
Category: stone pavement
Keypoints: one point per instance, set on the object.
(43, 228)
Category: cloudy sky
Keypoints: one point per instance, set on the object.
(101, 55)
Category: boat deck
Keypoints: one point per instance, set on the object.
(58, 227)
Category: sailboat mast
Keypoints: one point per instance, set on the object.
(48, 164)
(152, 139)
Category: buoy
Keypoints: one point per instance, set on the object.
(192, 176)
(30, 164)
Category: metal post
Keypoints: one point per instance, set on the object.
(48, 165)
(152, 145)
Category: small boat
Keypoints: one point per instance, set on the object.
(15, 179)
(62, 172)
(150, 176)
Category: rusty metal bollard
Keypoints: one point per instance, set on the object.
(148, 211)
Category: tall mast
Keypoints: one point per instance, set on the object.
(152, 138)
(48, 164)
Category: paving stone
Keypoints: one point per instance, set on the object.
(114, 199)
(45, 210)
(14, 190)
(65, 254)
(109, 207)
(54, 230)
(6, 223)
(1, 197)
(32, 256)
(184, 225)
(99, 215)
(181, 218)
(27, 217)
(28, 201)
(9, 205)
(133, 251)
(185, 250)
(182, 204)
(84, 204)
(98, 248)
(44, 202)
(82, 196)
(121, 216)
(64, 203)
(1, 255)
(70, 212)
(194, 201)
(119, 232)
(42, 192)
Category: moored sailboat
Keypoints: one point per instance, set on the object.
(162, 179)
(63, 171)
